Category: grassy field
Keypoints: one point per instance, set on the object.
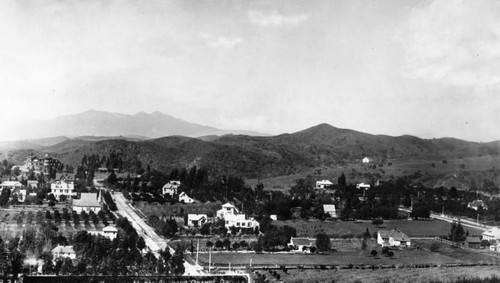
(335, 258)
(168, 209)
(482, 255)
(439, 274)
(412, 228)
(397, 168)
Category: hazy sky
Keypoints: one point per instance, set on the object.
(426, 68)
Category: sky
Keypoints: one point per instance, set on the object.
(424, 68)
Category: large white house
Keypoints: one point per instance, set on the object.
(171, 188)
(87, 202)
(492, 234)
(393, 238)
(233, 218)
(59, 188)
(367, 160)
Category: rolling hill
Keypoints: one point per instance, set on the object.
(260, 157)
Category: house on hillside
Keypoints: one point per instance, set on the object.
(393, 238)
(196, 220)
(62, 187)
(330, 210)
(363, 186)
(233, 218)
(183, 197)
(227, 209)
(301, 245)
(472, 242)
(88, 202)
(367, 160)
(492, 234)
(171, 188)
(477, 204)
(11, 185)
(323, 184)
(63, 252)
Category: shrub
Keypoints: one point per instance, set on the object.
(434, 247)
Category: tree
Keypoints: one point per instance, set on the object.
(374, 253)
(420, 212)
(457, 233)
(323, 242)
(141, 244)
(67, 266)
(178, 262)
(377, 221)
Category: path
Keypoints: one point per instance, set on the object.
(153, 240)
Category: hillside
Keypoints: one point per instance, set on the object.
(322, 146)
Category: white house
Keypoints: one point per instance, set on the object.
(170, 188)
(11, 185)
(63, 252)
(196, 220)
(477, 204)
(492, 234)
(59, 188)
(323, 184)
(330, 210)
(227, 209)
(301, 245)
(109, 232)
(183, 197)
(362, 186)
(240, 221)
(367, 160)
(233, 217)
(87, 202)
(393, 238)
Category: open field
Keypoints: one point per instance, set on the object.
(474, 256)
(168, 209)
(413, 228)
(412, 275)
(402, 257)
(397, 168)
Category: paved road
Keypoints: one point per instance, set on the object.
(153, 240)
(450, 219)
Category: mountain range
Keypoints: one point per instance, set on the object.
(103, 124)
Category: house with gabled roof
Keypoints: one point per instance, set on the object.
(171, 188)
(63, 252)
(196, 220)
(88, 202)
(393, 238)
(301, 245)
(183, 197)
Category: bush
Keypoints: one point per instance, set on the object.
(434, 247)
(374, 253)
